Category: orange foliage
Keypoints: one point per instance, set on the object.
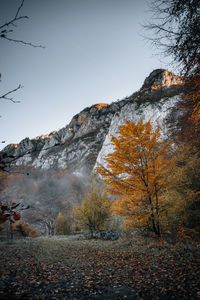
(101, 105)
(62, 172)
(136, 171)
(194, 95)
(188, 127)
(25, 229)
(35, 186)
(3, 218)
(8, 213)
(16, 216)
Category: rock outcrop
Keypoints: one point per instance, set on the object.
(85, 139)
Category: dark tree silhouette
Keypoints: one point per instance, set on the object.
(6, 30)
(176, 30)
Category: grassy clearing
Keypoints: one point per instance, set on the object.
(77, 268)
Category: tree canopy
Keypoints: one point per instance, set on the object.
(175, 29)
(94, 211)
(136, 171)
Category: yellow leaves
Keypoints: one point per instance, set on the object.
(137, 170)
(94, 210)
(60, 216)
(62, 224)
(137, 157)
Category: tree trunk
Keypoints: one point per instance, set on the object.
(91, 232)
(153, 219)
(157, 213)
(52, 228)
(11, 231)
(154, 225)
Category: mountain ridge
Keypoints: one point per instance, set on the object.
(79, 144)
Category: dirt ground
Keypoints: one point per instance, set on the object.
(77, 268)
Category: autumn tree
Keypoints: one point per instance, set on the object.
(25, 230)
(184, 120)
(191, 109)
(12, 203)
(11, 213)
(53, 193)
(47, 193)
(62, 225)
(94, 211)
(184, 192)
(136, 171)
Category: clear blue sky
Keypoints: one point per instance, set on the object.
(94, 53)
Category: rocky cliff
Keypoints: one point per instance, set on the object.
(85, 139)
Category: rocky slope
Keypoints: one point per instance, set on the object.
(86, 138)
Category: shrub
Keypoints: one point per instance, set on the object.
(94, 213)
(62, 225)
(24, 229)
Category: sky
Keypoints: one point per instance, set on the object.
(94, 52)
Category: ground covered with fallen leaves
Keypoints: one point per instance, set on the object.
(77, 268)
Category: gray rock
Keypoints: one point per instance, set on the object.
(85, 140)
(107, 235)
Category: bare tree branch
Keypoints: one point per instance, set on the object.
(22, 42)
(5, 28)
(176, 30)
(20, 7)
(5, 96)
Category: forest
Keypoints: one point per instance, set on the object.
(129, 230)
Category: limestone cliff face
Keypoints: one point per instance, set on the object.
(159, 93)
(85, 139)
(74, 147)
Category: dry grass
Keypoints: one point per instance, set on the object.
(78, 268)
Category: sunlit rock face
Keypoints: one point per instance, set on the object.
(136, 112)
(85, 140)
(161, 78)
(74, 147)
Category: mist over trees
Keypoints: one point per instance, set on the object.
(94, 213)
(48, 193)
